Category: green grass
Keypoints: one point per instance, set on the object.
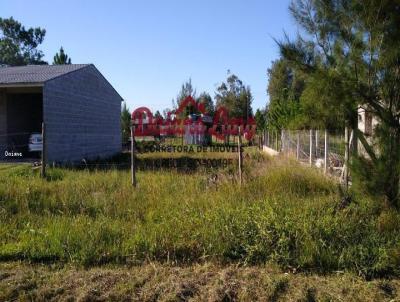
(284, 213)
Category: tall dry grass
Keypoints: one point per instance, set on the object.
(284, 213)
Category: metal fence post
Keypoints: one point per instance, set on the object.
(326, 152)
(346, 158)
(298, 145)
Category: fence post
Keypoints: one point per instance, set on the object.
(346, 158)
(326, 152)
(133, 157)
(298, 145)
(44, 159)
(316, 143)
(240, 156)
(276, 140)
(311, 147)
(266, 138)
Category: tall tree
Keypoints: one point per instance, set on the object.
(18, 46)
(285, 87)
(185, 91)
(295, 101)
(261, 120)
(61, 58)
(352, 51)
(235, 97)
(157, 115)
(207, 102)
(125, 124)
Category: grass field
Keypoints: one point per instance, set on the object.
(197, 282)
(285, 215)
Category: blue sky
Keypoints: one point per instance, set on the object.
(148, 48)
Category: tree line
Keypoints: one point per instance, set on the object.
(347, 57)
(19, 46)
(232, 94)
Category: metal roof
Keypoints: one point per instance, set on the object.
(35, 74)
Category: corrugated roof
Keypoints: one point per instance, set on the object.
(35, 73)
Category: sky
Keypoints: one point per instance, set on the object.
(146, 49)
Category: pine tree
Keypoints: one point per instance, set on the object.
(207, 102)
(19, 46)
(61, 58)
(125, 124)
(352, 51)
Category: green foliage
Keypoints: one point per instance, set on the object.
(299, 100)
(288, 215)
(125, 124)
(317, 109)
(206, 99)
(185, 91)
(351, 51)
(284, 88)
(188, 90)
(18, 46)
(235, 97)
(261, 119)
(61, 58)
(157, 114)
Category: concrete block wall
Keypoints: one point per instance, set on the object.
(3, 123)
(82, 115)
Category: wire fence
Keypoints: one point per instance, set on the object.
(319, 148)
(98, 151)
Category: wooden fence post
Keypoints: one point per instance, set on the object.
(240, 156)
(133, 157)
(326, 152)
(311, 147)
(44, 159)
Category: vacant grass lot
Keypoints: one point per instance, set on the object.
(285, 215)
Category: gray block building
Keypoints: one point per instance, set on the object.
(80, 108)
